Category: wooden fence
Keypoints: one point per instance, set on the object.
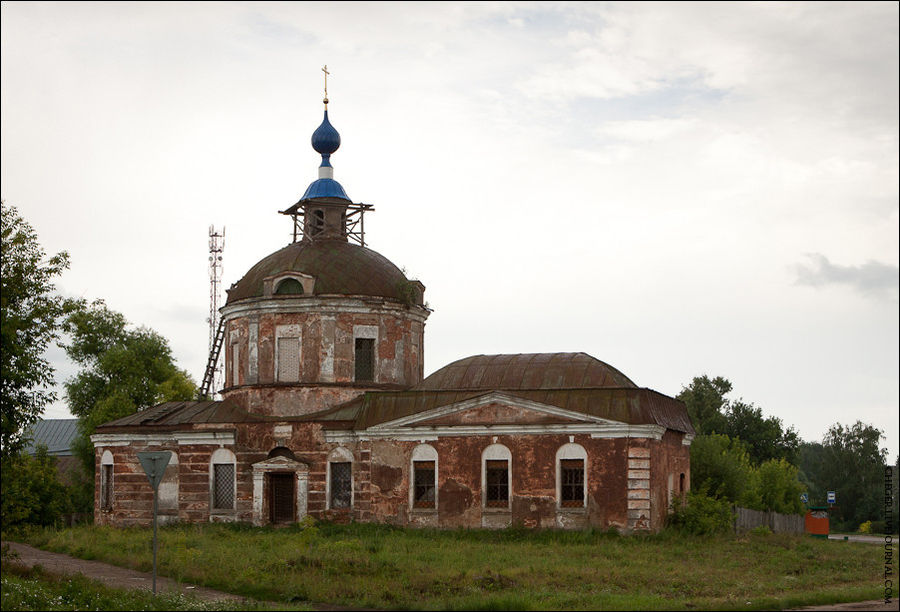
(746, 519)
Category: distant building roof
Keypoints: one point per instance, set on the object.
(56, 434)
(633, 406)
(526, 371)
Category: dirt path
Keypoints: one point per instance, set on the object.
(110, 575)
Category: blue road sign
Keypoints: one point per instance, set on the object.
(804, 498)
(832, 497)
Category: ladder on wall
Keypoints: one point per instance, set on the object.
(209, 375)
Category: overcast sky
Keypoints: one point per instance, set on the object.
(675, 189)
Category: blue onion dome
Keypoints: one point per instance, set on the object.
(325, 139)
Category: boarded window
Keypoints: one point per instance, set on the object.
(497, 476)
(423, 484)
(365, 359)
(290, 286)
(341, 484)
(572, 483)
(106, 478)
(223, 486)
(235, 364)
(681, 483)
(288, 359)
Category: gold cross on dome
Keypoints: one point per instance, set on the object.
(325, 70)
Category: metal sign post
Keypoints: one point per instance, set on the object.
(154, 463)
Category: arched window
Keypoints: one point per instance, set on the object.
(339, 479)
(106, 481)
(423, 478)
(282, 451)
(496, 474)
(168, 487)
(222, 480)
(289, 286)
(571, 476)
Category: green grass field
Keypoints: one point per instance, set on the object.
(376, 566)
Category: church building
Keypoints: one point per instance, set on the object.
(326, 412)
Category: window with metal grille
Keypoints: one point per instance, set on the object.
(223, 486)
(497, 477)
(571, 483)
(288, 359)
(423, 484)
(106, 477)
(341, 484)
(365, 359)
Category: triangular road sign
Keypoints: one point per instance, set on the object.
(154, 463)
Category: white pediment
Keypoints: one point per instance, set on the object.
(529, 411)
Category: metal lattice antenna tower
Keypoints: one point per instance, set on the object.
(216, 249)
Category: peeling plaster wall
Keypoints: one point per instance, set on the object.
(533, 483)
(382, 478)
(669, 457)
(327, 354)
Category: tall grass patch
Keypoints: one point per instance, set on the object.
(364, 565)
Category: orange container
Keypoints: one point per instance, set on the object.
(817, 521)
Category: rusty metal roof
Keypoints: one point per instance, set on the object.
(630, 405)
(170, 414)
(339, 267)
(526, 371)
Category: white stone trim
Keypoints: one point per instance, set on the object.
(491, 397)
(107, 459)
(620, 430)
(365, 331)
(288, 332)
(222, 456)
(279, 464)
(497, 452)
(253, 352)
(324, 305)
(180, 437)
(422, 452)
(571, 451)
(687, 439)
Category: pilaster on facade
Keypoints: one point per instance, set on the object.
(638, 496)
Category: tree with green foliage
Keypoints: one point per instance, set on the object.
(712, 413)
(700, 514)
(765, 437)
(850, 462)
(705, 401)
(30, 313)
(774, 487)
(123, 370)
(720, 467)
(31, 490)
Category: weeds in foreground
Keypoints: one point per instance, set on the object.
(34, 589)
(377, 566)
